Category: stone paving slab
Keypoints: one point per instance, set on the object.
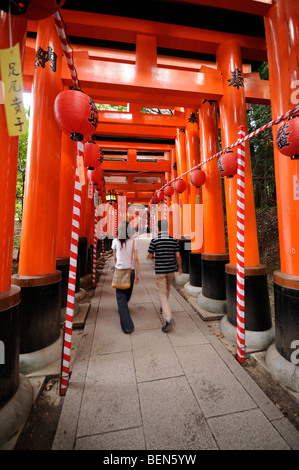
(154, 356)
(152, 391)
(187, 428)
(215, 387)
(110, 400)
(246, 430)
(126, 439)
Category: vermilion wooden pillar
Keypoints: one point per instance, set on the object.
(233, 114)
(38, 278)
(65, 211)
(10, 295)
(174, 214)
(66, 195)
(83, 239)
(168, 199)
(89, 223)
(180, 147)
(282, 38)
(195, 198)
(214, 256)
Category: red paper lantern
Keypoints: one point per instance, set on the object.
(34, 9)
(197, 178)
(155, 199)
(96, 176)
(91, 155)
(180, 185)
(227, 164)
(168, 190)
(101, 157)
(161, 195)
(100, 184)
(16, 8)
(40, 9)
(287, 138)
(76, 114)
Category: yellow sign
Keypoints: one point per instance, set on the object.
(11, 75)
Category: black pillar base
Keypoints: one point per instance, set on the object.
(63, 264)
(89, 259)
(108, 242)
(286, 297)
(10, 343)
(83, 254)
(195, 269)
(39, 310)
(99, 248)
(213, 275)
(257, 304)
(185, 248)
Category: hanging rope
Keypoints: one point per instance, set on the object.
(240, 264)
(95, 243)
(68, 52)
(278, 120)
(67, 343)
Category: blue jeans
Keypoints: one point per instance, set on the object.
(123, 296)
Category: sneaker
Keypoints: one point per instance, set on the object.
(161, 311)
(167, 326)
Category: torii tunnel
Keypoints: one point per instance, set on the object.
(198, 60)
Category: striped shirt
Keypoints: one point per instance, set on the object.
(164, 246)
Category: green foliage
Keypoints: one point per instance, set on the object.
(115, 107)
(156, 110)
(23, 140)
(110, 107)
(261, 151)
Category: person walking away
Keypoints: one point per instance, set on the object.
(165, 249)
(122, 247)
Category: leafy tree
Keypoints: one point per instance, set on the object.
(261, 151)
(110, 107)
(156, 110)
(23, 140)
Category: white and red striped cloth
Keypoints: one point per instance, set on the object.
(68, 328)
(66, 48)
(240, 286)
(94, 253)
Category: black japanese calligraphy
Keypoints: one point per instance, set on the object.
(282, 136)
(42, 57)
(93, 114)
(16, 103)
(12, 69)
(192, 118)
(237, 79)
(220, 165)
(19, 124)
(14, 87)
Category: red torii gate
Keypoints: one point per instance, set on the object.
(147, 83)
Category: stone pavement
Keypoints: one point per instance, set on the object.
(156, 391)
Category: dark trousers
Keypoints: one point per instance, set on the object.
(123, 296)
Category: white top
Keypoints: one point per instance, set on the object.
(124, 254)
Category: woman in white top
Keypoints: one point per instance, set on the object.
(122, 251)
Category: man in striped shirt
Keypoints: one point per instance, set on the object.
(166, 251)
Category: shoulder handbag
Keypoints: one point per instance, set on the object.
(122, 277)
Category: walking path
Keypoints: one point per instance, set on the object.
(161, 391)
